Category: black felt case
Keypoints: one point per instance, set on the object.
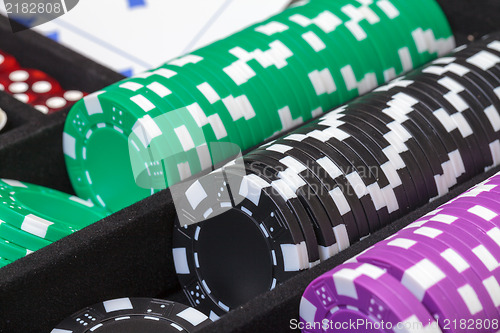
(129, 253)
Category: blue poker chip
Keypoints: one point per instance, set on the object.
(127, 315)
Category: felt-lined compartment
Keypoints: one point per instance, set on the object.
(31, 143)
(129, 253)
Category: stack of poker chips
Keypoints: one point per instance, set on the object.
(32, 217)
(161, 125)
(306, 196)
(440, 272)
(34, 87)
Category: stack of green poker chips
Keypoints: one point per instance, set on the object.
(148, 132)
(32, 217)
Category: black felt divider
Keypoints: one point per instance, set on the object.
(474, 18)
(31, 144)
(129, 253)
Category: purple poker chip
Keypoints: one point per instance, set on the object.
(483, 212)
(479, 305)
(468, 303)
(360, 297)
(458, 247)
(484, 231)
(487, 192)
(427, 282)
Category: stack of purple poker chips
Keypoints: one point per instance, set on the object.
(448, 260)
(313, 192)
(361, 297)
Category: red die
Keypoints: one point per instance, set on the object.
(51, 104)
(7, 63)
(27, 97)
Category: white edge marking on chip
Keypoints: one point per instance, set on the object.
(177, 327)
(117, 304)
(14, 183)
(180, 260)
(470, 298)
(192, 316)
(291, 257)
(403, 243)
(87, 203)
(69, 145)
(92, 103)
(493, 288)
(196, 194)
(36, 225)
(455, 260)
(307, 310)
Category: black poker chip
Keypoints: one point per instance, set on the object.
(413, 141)
(334, 167)
(356, 172)
(459, 115)
(411, 173)
(275, 171)
(132, 315)
(324, 186)
(391, 170)
(379, 188)
(351, 210)
(444, 142)
(342, 219)
(294, 200)
(234, 238)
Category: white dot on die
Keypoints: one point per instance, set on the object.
(42, 108)
(22, 97)
(19, 75)
(18, 87)
(73, 95)
(41, 87)
(56, 102)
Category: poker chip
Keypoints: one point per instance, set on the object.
(447, 260)
(253, 85)
(365, 295)
(134, 315)
(3, 119)
(33, 216)
(257, 223)
(359, 168)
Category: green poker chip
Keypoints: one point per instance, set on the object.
(45, 213)
(22, 238)
(282, 81)
(4, 262)
(148, 132)
(12, 251)
(249, 102)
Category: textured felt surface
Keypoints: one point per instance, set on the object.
(128, 254)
